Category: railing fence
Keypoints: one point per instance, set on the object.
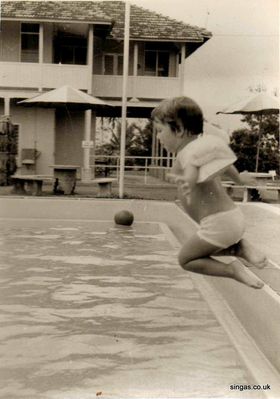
(153, 166)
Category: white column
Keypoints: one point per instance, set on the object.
(135, 59)
(7, 106)
(93, 139)
(41, 55)
(182, 68)
(86, 171)
(135, 69)
(90, 58)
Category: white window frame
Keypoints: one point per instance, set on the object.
(29, 33)
(115, 62)
(157, 57)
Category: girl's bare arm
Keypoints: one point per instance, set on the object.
(187, 180)
(239, 178)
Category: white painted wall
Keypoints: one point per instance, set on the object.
(69, 136)
(56, 134)
(37, 130)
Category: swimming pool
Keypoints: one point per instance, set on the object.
(88, 309)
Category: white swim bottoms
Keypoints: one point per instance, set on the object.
(223, 229)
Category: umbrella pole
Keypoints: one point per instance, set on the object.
(259, 143)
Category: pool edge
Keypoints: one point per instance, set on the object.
(255, 362)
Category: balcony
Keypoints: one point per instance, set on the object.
(20, 75)
(33, 75)
(149, 87)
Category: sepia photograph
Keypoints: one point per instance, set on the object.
(139, 199)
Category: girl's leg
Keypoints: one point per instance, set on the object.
(245, 250)
(194, 257)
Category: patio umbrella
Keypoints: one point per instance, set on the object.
(260, 104)
(65, 96)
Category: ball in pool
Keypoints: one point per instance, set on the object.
(124, 218)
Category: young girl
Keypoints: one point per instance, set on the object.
(201, 159)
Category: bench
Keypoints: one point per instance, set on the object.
(250, 191)
(65, 177)
(33, 182)
(104, 186)
(263, 175)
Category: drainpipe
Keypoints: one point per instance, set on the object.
(89, 116)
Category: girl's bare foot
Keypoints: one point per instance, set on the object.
(248, 252)
(243, 275)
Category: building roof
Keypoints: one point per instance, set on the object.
(145, 24)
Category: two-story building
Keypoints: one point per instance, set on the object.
(48, 44)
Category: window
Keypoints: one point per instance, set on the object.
(70, 49)
(112, 64)
(156, 61)
(73, 55)
(29, 42)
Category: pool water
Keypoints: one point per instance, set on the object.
(90, 309)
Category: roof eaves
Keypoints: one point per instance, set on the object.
(162, 39)
(40, 19)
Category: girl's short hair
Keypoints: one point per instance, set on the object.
(180, 110)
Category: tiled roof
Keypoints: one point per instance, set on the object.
(58, 10)
(144, 24)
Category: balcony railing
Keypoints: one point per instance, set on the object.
(33, 76)
(104, 165)
(138, 86)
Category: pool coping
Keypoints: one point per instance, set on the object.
(257, 365)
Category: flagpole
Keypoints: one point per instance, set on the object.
(124, 97)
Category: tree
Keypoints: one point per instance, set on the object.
(138, 142)
(143, 142)
(244, 143)
(258, 144)
(8, 149)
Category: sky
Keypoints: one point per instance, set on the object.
(243, 52)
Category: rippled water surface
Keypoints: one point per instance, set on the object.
(88, 309)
